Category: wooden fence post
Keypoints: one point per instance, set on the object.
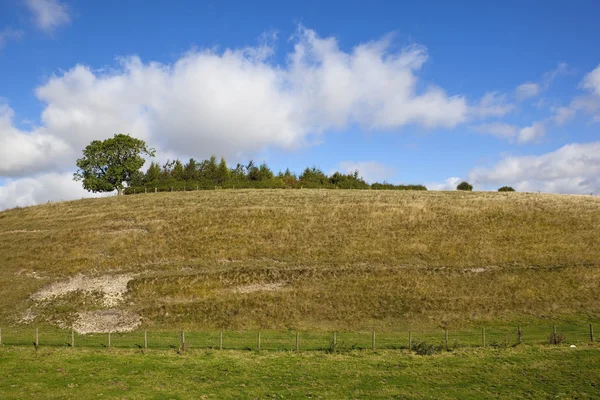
(72, 339)
(297, 341)
(591, 334)
(554, 334)
(334, 340)
(145, 339)
(519, 334)
(258, 340)
(482, 337)
(182, 341)
(145, 190)
(221, 340)
(109, 339)
(155, 190)
(409, 340)
(373, 340)
(37, 338)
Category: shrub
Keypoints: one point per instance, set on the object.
(556, 338)
(506, 189)
(427, 349)
(464, 186)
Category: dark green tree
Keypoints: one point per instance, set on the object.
(153, 173)
(464, 186)
(110, 164)
(506, 189)
(178, 172)
(190, 170)
(223, 174)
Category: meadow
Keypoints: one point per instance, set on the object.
(523, 372)
(315, 260)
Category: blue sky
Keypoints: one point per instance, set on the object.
(423, 92)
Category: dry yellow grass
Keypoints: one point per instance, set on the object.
(328, 259)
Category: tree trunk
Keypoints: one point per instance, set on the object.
(119, 191)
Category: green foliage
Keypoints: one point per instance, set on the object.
(208, 174)
(110, 164)
(427, 349)
(153, 173)
(464, 186)
(390, 186)
(506, 189)
(190, 170)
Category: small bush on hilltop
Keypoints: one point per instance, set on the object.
(464, 186)
(506, 189)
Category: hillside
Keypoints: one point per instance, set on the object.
(303, 259)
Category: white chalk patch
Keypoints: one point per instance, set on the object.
(111, 287)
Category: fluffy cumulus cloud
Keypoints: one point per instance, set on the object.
(573, 168)
(527, 90)
(236, 102)
(46, 187)
(370, 171)
(48, 14)
(26, 152)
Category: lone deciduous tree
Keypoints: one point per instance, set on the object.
(506, 189)
(107, 165)
(464, 186)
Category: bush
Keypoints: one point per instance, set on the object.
(427, 349)
(506, 189)
(556, 338)
(464, 186)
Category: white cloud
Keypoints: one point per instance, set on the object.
(48, 187)
(449, 184)
(26, 152)
(498, 129)
(370, 171)
(560, 70)
(9, 34)
(238, 102)
(527, 90)
(574, 168)
(49, 14)
(591, 81)
(563, 114)
(532, 133)
(492, 104)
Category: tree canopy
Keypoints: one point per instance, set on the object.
(465, 186)
(110, 164)
(506, 189)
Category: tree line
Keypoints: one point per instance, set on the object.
(115, 164)
(174, 175)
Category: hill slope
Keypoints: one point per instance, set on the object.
(308, 259)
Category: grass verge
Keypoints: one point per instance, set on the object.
(526, 372)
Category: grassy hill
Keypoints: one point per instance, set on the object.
(304, 259)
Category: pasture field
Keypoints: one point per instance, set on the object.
(313, 260)
(520, 372)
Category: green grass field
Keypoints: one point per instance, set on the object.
(314, 261)
(521, 372)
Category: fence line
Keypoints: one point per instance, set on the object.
(300, 341)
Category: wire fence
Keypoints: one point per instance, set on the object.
(299, 341)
